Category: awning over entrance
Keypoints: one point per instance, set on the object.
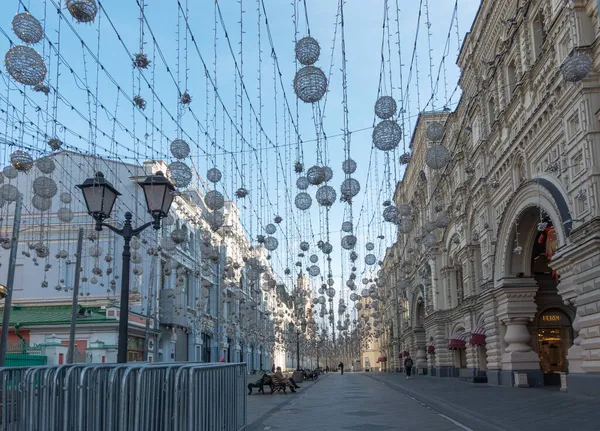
(457, 341)
(478, 336)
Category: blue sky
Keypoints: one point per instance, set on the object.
(363, 38)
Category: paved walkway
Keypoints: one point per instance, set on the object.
(387, 401)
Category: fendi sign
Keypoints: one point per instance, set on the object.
(554, 318)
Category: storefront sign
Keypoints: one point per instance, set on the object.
(554, 318)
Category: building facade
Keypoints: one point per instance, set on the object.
(495, 272)
(200, 299)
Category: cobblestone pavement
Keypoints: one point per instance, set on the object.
(387, 401)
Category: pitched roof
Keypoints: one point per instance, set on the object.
(52, 315)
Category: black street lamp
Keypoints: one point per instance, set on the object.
(100, 197)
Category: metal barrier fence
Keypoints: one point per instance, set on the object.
(124, 397)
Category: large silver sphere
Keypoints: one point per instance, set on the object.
(214, 175)
(304, 246)
(215, 219)
(437, 157)
(40, 203)
(435, 131)
(327, 248)
(180, 149)
(385, 107)
(270, 229)
(45, 187)
(315, 175)
(66, 198)
(178, 236)
(326, 196)
(370, 246)
(442, 220)
(45, 165)
(387, 135)
(327, 172)
(576, 67)
(10, 172)
(430, 240)
(9, 193)
(347, 226)
(214, 200)
(370, 259)
(25, 65)
(405, 225)
(390, 214)
(350, 187)
(180, 174)
(302, 183)
(307, 51)
(404, 210)
(303, 201)
(349, 166)
(271, 243)
(310, 84)
(348, 242)
(27, 28)
(314, 270)
(21, 160)
(65, 215)
(82, 10)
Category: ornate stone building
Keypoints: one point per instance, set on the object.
(498, 278)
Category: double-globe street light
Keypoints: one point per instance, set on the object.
(100, 197)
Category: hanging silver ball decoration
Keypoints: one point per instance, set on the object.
(370, 259)
(54, 144)
(9, 193)
(326, 196)
(390, 214)
(327, 248)
(25, 65)
(327, 172)
(349, 188)
(404, 210)
(385, 107)
(271, 243)
(313, 258)
(214, 175)
(349, 166)
(307, 51)
(405, 225)
(66, 198)
(21, 160)
(405, 158)
(180, 174)
(82, 10)
(315, 175)
(437, 157)
(310, 84)
(214, 200)
(180, 149)
(576, 67)
(370, 246)
(270, 229)
(347, 226)
(302, 183)
(10, 172)
(215, 220)
(442, 220)
(303, 201)
(45, 165)
(435, 131)
(348, 242)
(45, 187)
(40, 203)
(27, 28)
(304, 246)
(136, 258)
(331, 292)
(314, 270)
(64, 215)
(95, 251)
(178, 236)
(387, 135)
(42, 251)
(430, 240)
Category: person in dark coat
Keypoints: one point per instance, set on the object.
(408, 364)
(341, 367)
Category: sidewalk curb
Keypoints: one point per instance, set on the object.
(260, 421)
(467, 417)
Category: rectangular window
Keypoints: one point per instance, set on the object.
(573, 125)
(539, 34)
(577, 164)
(511, 78)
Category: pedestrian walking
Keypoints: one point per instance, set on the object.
(341, 366)
(273, 369)
(408, 363)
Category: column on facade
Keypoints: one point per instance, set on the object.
(443, 357)
(420, 348)
(492, 331)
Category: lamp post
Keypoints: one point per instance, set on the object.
(100, 197)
